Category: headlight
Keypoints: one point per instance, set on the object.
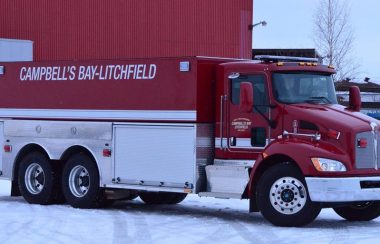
(328, 165)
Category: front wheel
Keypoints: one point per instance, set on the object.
(283, 199)
(360, 212)
(80, 183)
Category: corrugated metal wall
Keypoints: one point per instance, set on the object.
(117, 29)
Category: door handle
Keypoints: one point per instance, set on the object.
(233, 141)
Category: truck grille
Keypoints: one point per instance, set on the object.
(368, 157)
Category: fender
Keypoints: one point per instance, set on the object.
(298, 151)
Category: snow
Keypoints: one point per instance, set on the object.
(195, 220)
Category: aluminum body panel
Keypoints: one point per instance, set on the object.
(97, 29)
(58, 129)
(55, 138)
(141, 115)
(12, 50)
(227, 179)
(147, 188)
(235, 162)
(155, 154)
(342, 189)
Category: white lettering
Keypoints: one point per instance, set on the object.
(87, 75)
(152, 71)
(72, 73)
(131, 69)
(124, 72)
(116, 74)
(90, 72)
(81, 74)
(139, 72)
(22, 73)
(35, 74)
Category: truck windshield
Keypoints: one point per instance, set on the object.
(304, 88)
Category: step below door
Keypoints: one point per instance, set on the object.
(155, 155)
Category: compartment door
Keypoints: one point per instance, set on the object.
(155, 155)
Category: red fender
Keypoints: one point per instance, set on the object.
(300, 152)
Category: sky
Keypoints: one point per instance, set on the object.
(290, 25)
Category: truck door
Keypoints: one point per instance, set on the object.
(248, 133)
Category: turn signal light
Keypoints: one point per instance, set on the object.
(106, 152)
(7, 148)
(333, 134)
(362, 143)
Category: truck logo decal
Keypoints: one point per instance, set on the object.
(241, 124)
(90, 72)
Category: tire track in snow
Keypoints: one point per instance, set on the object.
(120, 228)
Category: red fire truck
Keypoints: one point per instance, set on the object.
(269, 130)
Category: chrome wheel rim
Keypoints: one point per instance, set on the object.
(288, 195)
(34, 178)
(79, 181)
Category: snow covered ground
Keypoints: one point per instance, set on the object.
(196, 220)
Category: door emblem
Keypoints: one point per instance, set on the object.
(241, 124)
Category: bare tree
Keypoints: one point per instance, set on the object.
(334, 37)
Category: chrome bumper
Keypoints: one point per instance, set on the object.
(343, 189)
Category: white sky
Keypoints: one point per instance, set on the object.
(290, 25)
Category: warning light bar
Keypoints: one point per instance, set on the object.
(270, 58)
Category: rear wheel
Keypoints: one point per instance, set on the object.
(162, 197)
(283, 199)
(37, 180)
(80, 183)
(360, 212)
(132, 196)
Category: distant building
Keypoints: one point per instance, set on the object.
(370, 94)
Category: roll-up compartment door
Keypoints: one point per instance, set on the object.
(155, 155)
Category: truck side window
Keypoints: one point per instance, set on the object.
(260, 91)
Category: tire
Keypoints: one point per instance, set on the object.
(360, 212)
(131, 197)
(179, 197)
(162, 197)
(282, 197)
(80, 183)
(38, 183)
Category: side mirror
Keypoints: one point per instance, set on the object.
(355, 102)
(246, 97)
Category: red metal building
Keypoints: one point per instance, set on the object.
(119, 29)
